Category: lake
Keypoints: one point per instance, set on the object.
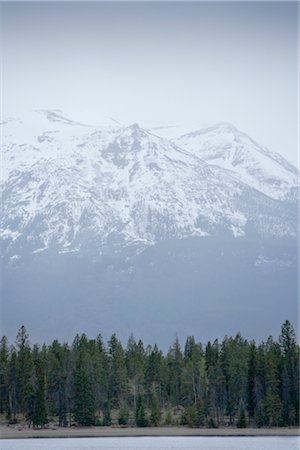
(156, 443)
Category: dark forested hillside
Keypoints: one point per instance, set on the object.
(233, 382)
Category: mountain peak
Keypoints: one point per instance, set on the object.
(135, 126)
(225, 146)
(134, 131)
(224, 127)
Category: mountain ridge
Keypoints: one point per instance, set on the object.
(68, 180)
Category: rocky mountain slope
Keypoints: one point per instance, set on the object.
(72, 187)
(225, 146)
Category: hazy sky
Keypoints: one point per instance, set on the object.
(165, 62)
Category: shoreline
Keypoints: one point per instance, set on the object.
(7, 432)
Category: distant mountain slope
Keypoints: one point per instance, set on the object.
(225, 146)
(72, 187)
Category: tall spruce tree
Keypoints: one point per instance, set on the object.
(140, 413)
(25, 365)
(118, 386)
(272, 404)
(251, 388)
(84, 402)
(290, 373)
(59, 373)
(37, 412)
(155, 412)
(135, 364)
(175, 366)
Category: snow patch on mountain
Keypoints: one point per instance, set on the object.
(225, 146)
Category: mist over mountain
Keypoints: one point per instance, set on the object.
(119, 228)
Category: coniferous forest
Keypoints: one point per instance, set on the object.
(230, 383)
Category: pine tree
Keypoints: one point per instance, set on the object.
(193, 373)
(24, 365)
(118, 387)
(251, 394)
(234, 356)
(136, 366)
(272, 401)
(59, 375)
(99, 372)
(155, 412)
(260, 385)
(287, 339)
(140, 415)
(215, 393)
(38, 413)
(290, 350)
(175, 366)
(84, 404)
(156, 376)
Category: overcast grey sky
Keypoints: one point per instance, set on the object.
(166, 62)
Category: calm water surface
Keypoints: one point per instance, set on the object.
(155, 443)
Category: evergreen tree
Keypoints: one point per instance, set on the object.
(156, 376)
(84, 403)
(193, 373)
(215, 394)
(59, 377)
(118, 387)
(136, 366)
(272, 401)
(260, 385)
(140, 415)
(251, 388)
(290, 369)
(100, 372)
(24, 366)
(155, 412)
(175, 366)
(234, 360)
(37, 413)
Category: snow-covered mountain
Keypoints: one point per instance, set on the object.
(227, 147)
(72, 187)
(114, 228)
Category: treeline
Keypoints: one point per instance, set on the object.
(233, 382)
